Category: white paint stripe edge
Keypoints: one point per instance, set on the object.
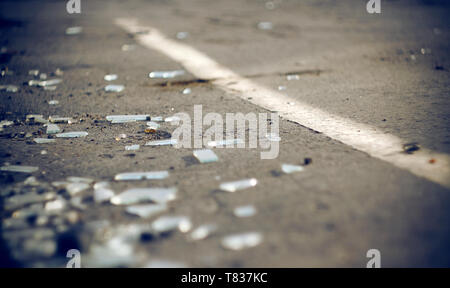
(362, 137)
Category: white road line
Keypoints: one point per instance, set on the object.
(363, 137)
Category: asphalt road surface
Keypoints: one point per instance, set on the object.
(387, 71)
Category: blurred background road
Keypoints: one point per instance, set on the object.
(388, 70)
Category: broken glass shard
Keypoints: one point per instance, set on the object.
(18, 201)
(238, 185)
(265, 26)
(121, 136)
(132, 147)
(30, 211)
(205, 156)
(111, 77)
(170, 223)
(60, 184)
(33, 72)
(172, 119)
(9, 88)
(31, 181)
(291, 77)
(74, 30)
(116, 252)
(33, 248)
(57, 119)
(186, 91)
(128, 118)
(242, 241)
(153, 125)
(123, 121)
(102, 194)
(114, 88)
(6, 123)
(227, 142)
(288, 168)
(166, 74)
(55, 205)
(31, 118)
(245, 211)
(51, 82)
(80, 179)
(76, 187)
(157, 118)
(153, 175)
(43, 140)
(50, 88)
(146, 211)
(182, 35)
(128, 47)
(77, 202)
(139, 195)
(59, 72)
(102, 184)
(75, 134)
(162, 142)
(20, 169)
(33, 83)
(202, 232)
(53, 129)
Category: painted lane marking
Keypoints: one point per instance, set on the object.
(366, 138)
